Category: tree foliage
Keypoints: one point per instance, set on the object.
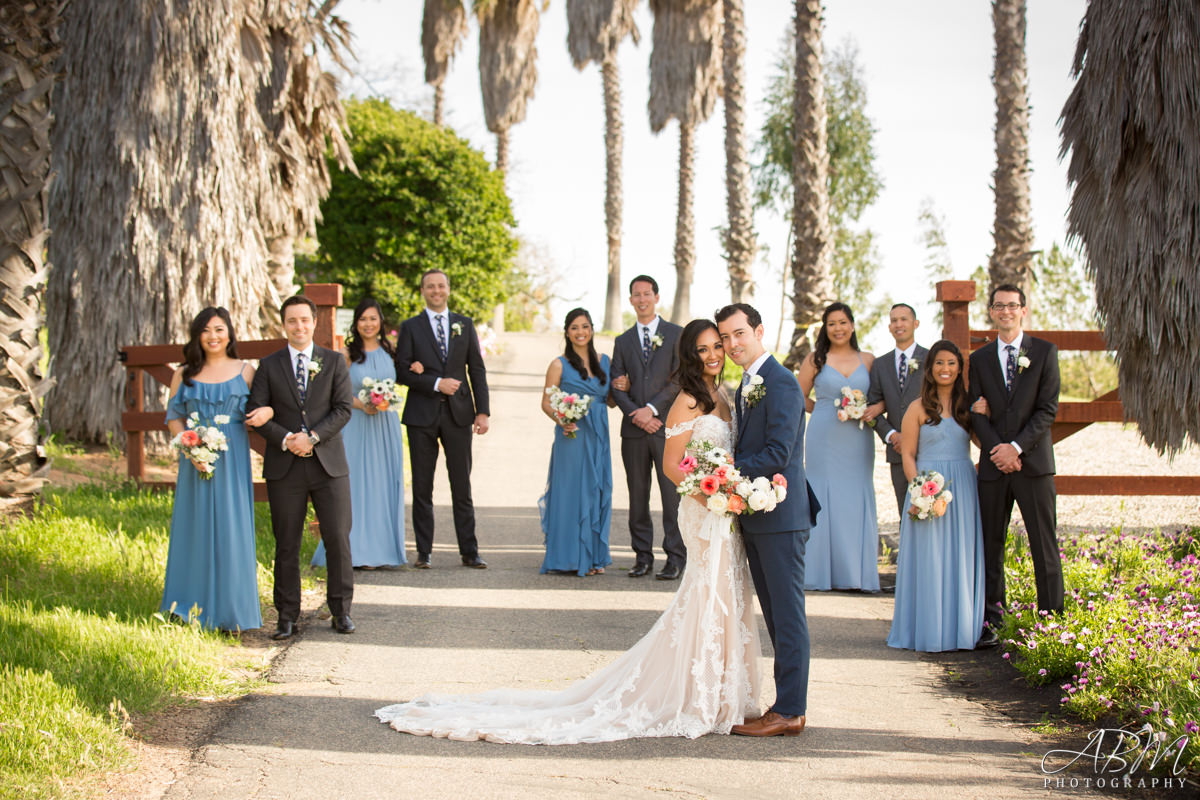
(423, 200)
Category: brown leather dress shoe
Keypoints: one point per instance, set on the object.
(770, 724)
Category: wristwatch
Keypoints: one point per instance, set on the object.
(313, 439)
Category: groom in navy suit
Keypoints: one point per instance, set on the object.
(770, 441)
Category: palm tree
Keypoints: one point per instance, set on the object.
(595, 29)
(443, 27)
(685, 79)
(165, 162)
(29, 46)
(1133, 165)
(1013, 232)
(740, 244)
(812, 234)
(507, 65)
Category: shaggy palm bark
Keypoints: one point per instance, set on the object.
(1013, 230)
(740, 245)
(443, 27)
(1130, 126)
(685, 79)
(812, 236)
(29, 46)
(595, 30)
(507, 65)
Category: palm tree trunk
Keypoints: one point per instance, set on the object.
(29, 46)
(613, 198)
(439, 104)
(811, 233)
(502, 151)
(685, 227)
(739, 236)
(1013, 231)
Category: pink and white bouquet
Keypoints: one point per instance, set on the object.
(568, 407)
(708, 469)
(380, 393)
(852, 406)
(927, 495)
(202, 444)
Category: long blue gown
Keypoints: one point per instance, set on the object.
(939, 573)
(839, 460)
(210, 560)
(375, 452)
(577, 506)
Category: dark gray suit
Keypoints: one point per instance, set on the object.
(642, 453)
(292, 480)
(885, 386)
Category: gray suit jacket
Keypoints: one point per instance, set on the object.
(648, 382)
(885, 386)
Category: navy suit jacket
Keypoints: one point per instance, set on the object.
(770, 441)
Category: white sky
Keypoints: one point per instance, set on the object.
(928, 71)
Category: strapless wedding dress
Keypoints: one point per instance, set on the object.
(695, 672)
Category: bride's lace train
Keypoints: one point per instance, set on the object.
(695, 672)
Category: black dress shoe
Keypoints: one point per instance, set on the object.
(284, 629)
(475, 562)
(422, 561)
(639, 569)
(988, 640)
(342, 624)
(670, 572)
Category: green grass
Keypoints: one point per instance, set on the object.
(80, 634)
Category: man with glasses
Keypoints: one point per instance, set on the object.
(1018, 377)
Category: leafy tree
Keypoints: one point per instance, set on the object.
(853, 181)
(423, 200)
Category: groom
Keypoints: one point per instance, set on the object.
(770, 441)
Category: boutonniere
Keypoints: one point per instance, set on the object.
(913, 365)
(456, 330)
(314, 368)
(656, 341)
(754, 391)
(1022, 360)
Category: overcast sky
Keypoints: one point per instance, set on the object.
(927, 65)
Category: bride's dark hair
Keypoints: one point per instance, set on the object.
(960, 406)
(689, 375)
(193, 352)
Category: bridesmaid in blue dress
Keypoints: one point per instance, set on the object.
(839, 460)
(374, 449)
(577, 506)
(212, 572)
(939, 574)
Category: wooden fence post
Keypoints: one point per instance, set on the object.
(135, 441)
(328, 297)
(956, 298)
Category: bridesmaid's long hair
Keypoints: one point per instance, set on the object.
(193, 352)
(569, 351)
(354, 345)
(689, 375)
(960, 408)
(821, 348)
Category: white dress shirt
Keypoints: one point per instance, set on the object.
(308, 355)
(652, 328)
(1002, 351)
(445, 326)
(908, 354)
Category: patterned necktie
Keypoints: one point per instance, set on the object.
(1010, 369)
(741, 397)
(646, 343)
(902, 373)
(301, 377)
(441, 336)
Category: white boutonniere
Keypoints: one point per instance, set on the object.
(913, 365)
(314, 368)
(754, 391)
(656, 341)
(1022, 360)
(456, 330)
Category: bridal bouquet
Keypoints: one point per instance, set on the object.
(852, 406)
(202, 444)
(568, 407)
(707, 470)
(928, 495)
(380, 393)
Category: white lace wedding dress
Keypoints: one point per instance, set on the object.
(695, 672)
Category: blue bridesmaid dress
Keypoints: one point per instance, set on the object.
(211, 561)
(939, 573)
(375, 453)
(839, 460)
(577, 506)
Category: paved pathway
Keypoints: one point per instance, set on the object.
(881, 724)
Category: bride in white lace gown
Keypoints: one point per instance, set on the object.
(695, 672)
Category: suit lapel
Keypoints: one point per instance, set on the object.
(289, 374)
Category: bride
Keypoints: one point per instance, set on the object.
(695, 672)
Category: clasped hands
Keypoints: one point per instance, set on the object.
(643, 417)
(1004, 456)
(448, 387)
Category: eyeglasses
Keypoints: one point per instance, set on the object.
(1007, 306)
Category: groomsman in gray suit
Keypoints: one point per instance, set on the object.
(646, 353)
(895, 383)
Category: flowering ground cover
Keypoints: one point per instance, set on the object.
(1127, 647)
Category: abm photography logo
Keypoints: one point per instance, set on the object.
(1119, 759)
